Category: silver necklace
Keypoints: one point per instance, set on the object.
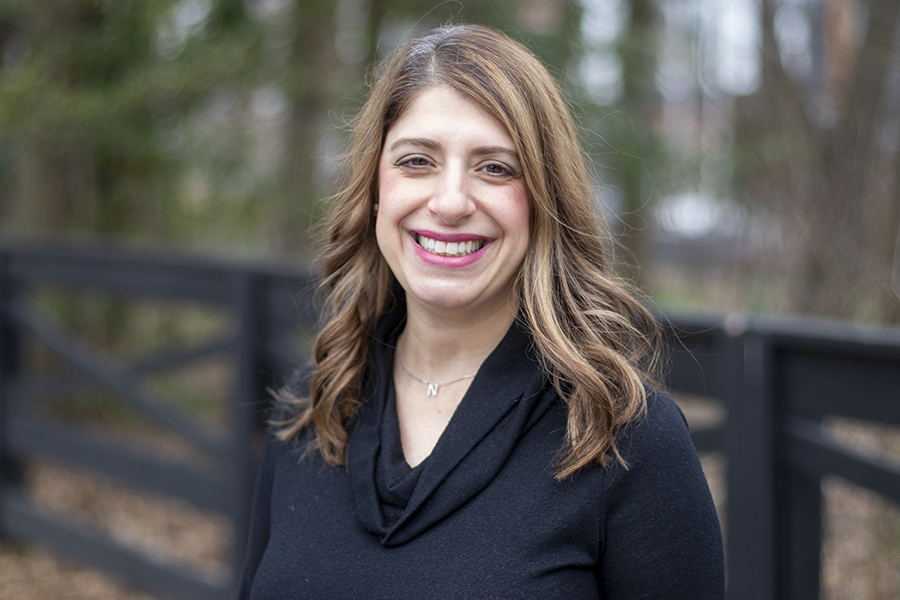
(432, 387)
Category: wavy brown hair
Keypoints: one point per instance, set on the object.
(593, 336)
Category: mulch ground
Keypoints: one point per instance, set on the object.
(167, 530)
(29, 572)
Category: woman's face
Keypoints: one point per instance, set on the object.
(453, 216)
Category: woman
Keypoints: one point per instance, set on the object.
(477, 424)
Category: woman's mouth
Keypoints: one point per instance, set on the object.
(449, 248)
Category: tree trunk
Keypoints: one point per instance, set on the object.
(637, 143)
(313, 60)
(838, 189)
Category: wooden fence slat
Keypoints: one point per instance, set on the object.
(206, 490)
(811, 449)
(178, 359)
(22, 521)
(123, 273)
(59, 385)
(818, 383)
(115, 378)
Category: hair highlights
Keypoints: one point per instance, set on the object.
(592, 334)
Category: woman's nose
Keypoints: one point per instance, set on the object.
(452, 198)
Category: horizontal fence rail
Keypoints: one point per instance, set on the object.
(263, 308)
(779, 382)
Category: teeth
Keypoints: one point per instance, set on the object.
(449, 248)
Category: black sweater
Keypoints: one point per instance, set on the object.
(483, 515)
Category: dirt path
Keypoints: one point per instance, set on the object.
(167, 530)
(30, 573)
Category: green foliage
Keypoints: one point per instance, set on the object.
(97, 91)
(140, 119)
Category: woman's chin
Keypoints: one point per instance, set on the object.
(451, 297)
(440, 302)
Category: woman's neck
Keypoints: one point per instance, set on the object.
(438, 347)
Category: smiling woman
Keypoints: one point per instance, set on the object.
(450, 176)
(478, 421)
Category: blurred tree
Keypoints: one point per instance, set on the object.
(310, 77)
(631, 131)
(90, 89)
(615, 70)
(319, 56)
(217, 121)
(823, 151)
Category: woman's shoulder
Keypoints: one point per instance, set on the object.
(661, 532)
(662, 413)
(660, 438)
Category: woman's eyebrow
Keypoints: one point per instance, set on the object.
(492, 150)
(430, 144)
(420, 142)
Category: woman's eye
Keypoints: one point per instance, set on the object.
(497, 169)
(413, 161)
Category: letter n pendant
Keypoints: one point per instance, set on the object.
(432, 389)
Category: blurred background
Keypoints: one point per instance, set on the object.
(746, 153)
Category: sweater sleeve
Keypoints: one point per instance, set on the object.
(260, 520)
(661, 536)
(258, 537)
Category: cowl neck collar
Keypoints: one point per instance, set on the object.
(505, 399)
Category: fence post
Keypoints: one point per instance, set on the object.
(743, 381)
(799, 521)
(798, 508)
(11, 473)
(249, 304)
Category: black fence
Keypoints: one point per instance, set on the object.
(779, 382)
(258, 311)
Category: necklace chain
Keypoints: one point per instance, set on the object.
(432, 386)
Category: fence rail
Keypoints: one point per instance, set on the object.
(779, 382)
(261, 310)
